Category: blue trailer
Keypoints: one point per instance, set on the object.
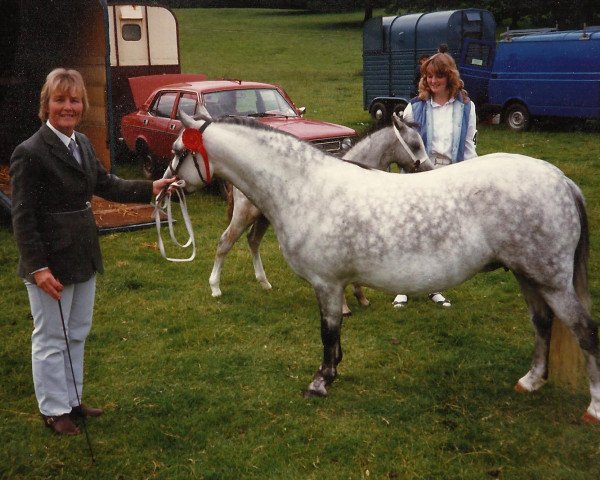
(541, 74)
(392, 47)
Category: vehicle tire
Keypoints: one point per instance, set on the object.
(399, 108)
(517, 117)
(379, 113)
(122, 154)
(147, 162)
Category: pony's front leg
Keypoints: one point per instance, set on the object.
(329, 298)
(228, 238)
(243, 215)
(255, 235)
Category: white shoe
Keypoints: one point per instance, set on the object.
(439, 299)
(400, 301)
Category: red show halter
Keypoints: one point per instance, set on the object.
(193, 142)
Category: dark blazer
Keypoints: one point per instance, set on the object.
(51, 193)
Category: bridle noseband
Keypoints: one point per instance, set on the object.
(416, 161)
(193, 144)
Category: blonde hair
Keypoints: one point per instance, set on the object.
(62, 80)
(442, 64)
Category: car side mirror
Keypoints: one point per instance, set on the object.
(302, 110)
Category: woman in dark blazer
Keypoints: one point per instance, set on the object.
(54, 174)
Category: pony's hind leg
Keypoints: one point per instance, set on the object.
(360, 295)
(541, 317)
(329, 298)
(576, 317)
(255, 236)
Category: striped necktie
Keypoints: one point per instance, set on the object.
(74, 149)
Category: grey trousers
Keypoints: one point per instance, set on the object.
(52, 378)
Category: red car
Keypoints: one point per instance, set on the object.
(150, 132)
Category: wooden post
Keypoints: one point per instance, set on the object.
(567, 366)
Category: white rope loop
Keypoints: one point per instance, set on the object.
(164, 203)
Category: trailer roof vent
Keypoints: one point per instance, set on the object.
(131, 12)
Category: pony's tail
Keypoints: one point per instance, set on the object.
(582, 252)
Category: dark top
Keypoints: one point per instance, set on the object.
(52, 218)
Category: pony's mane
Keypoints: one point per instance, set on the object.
(374, 128)
(252, 123)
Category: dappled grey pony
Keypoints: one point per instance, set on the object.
(410, 233)
(378, 150)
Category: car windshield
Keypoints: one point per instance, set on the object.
(255, 102)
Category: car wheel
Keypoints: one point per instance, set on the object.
(379, 113)
(517, 117)
(399, 108)
(147, 162)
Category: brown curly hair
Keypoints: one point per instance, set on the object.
(444, 64)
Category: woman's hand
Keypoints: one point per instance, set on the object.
(48, 283)
(161, 183)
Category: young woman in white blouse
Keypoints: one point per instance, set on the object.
(446, 120)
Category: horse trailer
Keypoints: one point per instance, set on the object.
(392, 47)
(108, 42)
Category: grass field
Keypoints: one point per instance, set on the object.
(203, 388)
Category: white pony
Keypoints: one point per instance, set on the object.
(410, 233)
(378, 150)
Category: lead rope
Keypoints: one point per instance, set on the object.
(163, 202)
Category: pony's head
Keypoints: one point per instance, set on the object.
(190, 161)
(412, 144)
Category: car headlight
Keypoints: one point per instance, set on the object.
(346, 144)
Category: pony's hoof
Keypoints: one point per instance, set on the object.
(347, 313)
(313, 394)
(364, 302)
(316, 388)
(529, 383)
(519, 387)
(589, 418)
(216, 293)
(266, 285)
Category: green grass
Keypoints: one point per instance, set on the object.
(203, 388)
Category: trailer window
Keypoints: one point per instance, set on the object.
(478, 55)
(131, 32)
(163, 105)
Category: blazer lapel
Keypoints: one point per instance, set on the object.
(58, 149)
(86, 155)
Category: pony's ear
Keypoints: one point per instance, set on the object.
(203, 113)
(397, 121)
(188, 122)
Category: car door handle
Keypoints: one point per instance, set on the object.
(172, 126)
(145, 122)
